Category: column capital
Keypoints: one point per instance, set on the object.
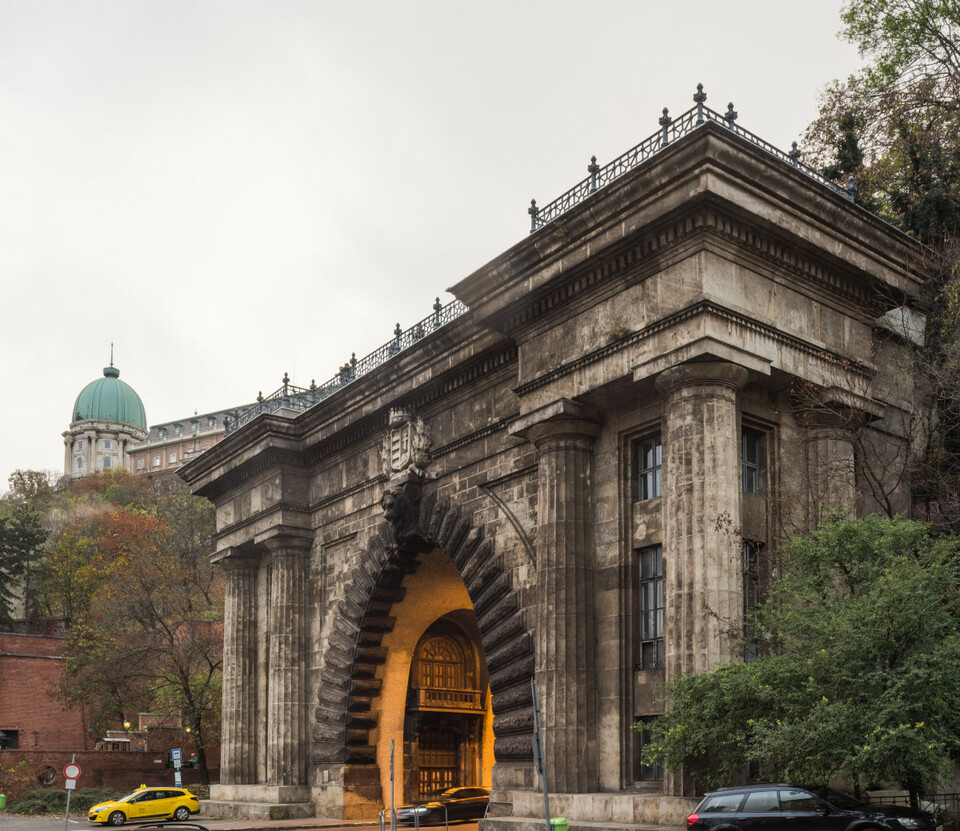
(705, 372)
(236, 562)
(834, 408)
(562, 417)
(281, 537)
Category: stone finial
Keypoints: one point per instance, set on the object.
(795, 155)
(593, 169)
(698, 98)
(665, 122)
(533, 210)
(730, 116)
(397, 331)
(851, 189)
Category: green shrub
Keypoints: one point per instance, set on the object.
(54, 800)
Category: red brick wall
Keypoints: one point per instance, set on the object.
(123, 771)
(30, 670)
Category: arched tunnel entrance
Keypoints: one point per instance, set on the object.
(435, 698)
(441, 580)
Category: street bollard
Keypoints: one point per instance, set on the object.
(3, 802)
(559, 824)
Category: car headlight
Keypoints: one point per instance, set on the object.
(911, 822)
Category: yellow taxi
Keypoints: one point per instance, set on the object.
(147, 803)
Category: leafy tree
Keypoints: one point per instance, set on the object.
(858, 673)
(895, 126)
(129, 568)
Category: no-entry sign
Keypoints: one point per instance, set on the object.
(71, 771)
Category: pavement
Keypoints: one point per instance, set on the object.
(12, 822)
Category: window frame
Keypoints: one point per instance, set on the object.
(649, 477)
(753, 465)
(751, 572)
(650, 589)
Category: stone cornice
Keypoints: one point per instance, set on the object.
(643, 256)
(703, 307)
(269, 458)
(438, 390)
(710, 165)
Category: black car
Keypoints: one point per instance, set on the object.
(775, 807)
(452, 805)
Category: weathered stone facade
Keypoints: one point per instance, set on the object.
(714, 305)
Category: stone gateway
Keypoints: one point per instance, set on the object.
(581, 479)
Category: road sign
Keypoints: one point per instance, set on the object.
(71, 771)
(177, 779)
(175, 754)
(71, 784)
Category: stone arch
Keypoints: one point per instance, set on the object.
(345, 715)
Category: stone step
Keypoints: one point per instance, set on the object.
(221, 809)
(538, 824)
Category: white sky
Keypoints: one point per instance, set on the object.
(231, 190)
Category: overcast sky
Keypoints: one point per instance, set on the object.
(231, 190)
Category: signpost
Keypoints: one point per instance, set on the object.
(70, 774)
(177, 757)
(538, 754)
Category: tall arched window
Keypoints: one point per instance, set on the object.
(106, 463)
(440, 664)
(79, 464)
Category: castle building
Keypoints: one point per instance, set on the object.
(108, 429)
(108, 419)
(575, 474)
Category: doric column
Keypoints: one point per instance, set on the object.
(238, 752)
(702, 552)
(566, 630)
(286, 700)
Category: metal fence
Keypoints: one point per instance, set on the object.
(670, 130)
(293, 398)
(944, 806)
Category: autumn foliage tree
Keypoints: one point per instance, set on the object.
(126, 567)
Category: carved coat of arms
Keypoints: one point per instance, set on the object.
(406, 446)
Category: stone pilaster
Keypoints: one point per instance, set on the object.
(238, 751)
(566, 628)
(831, 463)
(703, 593)
(287, 699)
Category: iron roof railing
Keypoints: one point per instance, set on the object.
(293, 398)
(670, 130)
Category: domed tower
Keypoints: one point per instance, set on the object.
(108, 420)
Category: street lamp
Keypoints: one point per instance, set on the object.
(126, 725)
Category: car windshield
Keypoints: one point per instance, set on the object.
(839, 800)
(129, 796)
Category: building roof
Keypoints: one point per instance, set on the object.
(110, 399)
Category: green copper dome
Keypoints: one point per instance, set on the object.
(110, 399)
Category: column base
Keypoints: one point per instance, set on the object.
(589, 811)
(258, 802)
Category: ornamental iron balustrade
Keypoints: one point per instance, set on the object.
(670, 130)
(295, 399)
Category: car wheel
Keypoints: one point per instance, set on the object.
(181, 814)
(116, 818)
